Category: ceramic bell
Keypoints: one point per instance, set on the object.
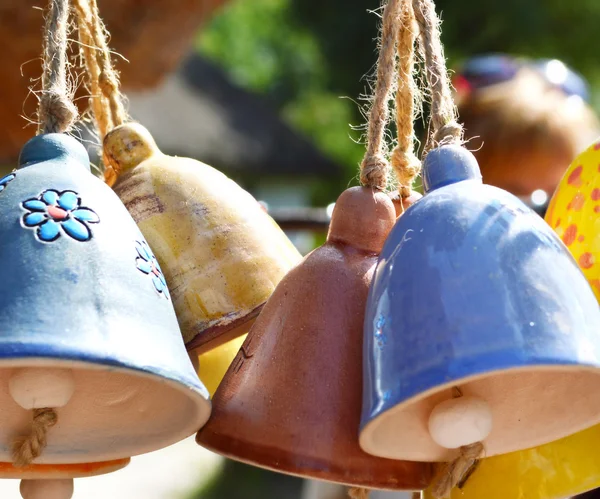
(212, 366)
(474, 292)
(557, 470)
(291, 399)
(88, 326)
(574, 210)
(55, 481)
(571, 465)
(221, 253)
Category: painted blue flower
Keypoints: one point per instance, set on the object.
(52, 211)
(4, 181)
(147, 263)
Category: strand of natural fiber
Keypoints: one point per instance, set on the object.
(445, 127)
(374, 167)
(100, 106)
(451, 474)
(26, 449)
(405, 163)
(358, 493)
(109, 78)
(56, 112)
(109, 110)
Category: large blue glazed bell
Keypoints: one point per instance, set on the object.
(479, 327)
(87, 327)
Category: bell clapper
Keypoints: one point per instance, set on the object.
(47, 489)
(462, 422)
(38, 387)
(459, 422)
(40, 390)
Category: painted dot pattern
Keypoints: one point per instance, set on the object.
(574, 213)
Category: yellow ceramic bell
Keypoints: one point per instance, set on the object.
(574, 212)
(221, 253)
(569, 466)
(557, 470)
(213, 365)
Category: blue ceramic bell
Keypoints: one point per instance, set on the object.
(475, 295)
(88, 336)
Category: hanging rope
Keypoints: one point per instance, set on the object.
(374, 167)
(56, 112)
(107, 100)
(405, 163)
(445, 127)
(455, 472)
(358, 493)
(26, 449)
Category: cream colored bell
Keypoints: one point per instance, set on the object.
(221, 254)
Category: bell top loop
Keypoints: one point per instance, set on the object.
(361, 219)
(54, 146)
(447, 165)
(126, 146)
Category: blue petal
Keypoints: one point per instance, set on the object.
(6, 179)
(85, 215)
(33, 219)
(142, 250)
(34, 205)
(143, 265)
(68, 200)
(158, 283)
(48, 231)
(77, 230)
(50, 197)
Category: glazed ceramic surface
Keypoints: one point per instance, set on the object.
(474, 290)
(556, 470)
(61, 471)
(291, 399)
(221, 253)
(81, 290)
(574, 213)
(213, 365)
(569, 466)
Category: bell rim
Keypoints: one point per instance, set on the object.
(223, 331)
(61, 471)
(285, 463)
(197, 395)
(367, 423)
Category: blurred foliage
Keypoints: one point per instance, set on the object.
(241, 481)
(305, 54)
(267, 50)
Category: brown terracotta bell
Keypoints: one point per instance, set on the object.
(401, 204)
(221, 254)
(291, 400)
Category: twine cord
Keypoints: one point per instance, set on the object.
(445, 126)
(374, 167)
(457, 471)
(358, 493)
(405, 163)
(26, 449)
(56, 111)
(107, 100)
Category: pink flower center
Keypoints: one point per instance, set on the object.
(57, 213)
(155, 271)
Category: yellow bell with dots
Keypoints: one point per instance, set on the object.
(569, 466)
